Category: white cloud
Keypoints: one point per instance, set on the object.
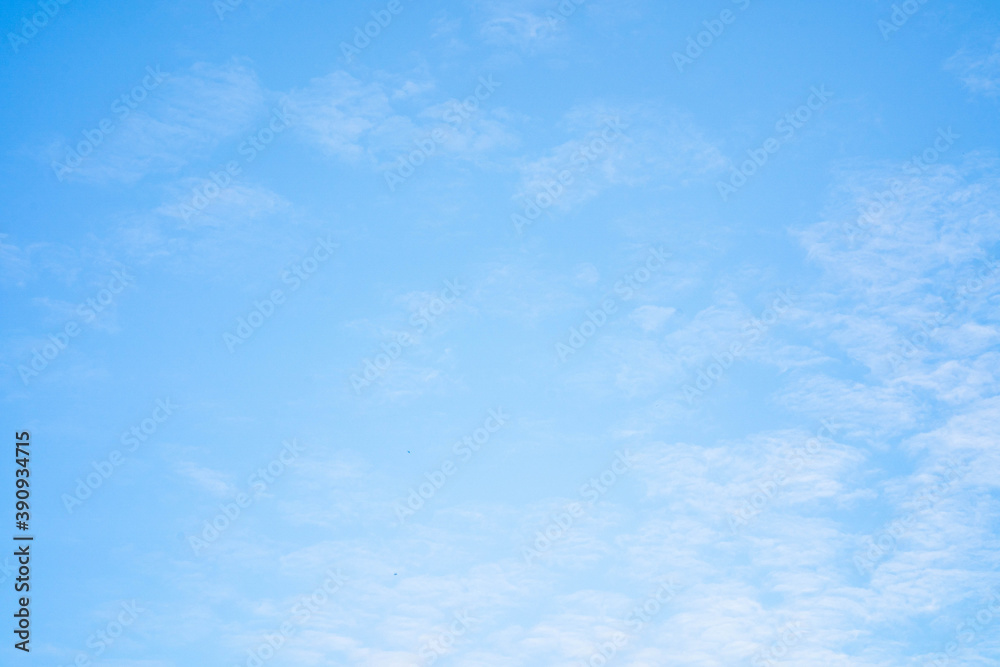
(337, 111)
(181, 121)
(620, 147)
(15, 263)
(651, 318)
(523, 29)
(979, 69)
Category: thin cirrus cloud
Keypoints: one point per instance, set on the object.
(384, 119)
(620, 146)
(790, 496)
(978, 69)
(337, 112)
(183, 120)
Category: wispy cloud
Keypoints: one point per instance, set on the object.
(978, 68)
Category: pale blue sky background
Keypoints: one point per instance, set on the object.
(889, 331)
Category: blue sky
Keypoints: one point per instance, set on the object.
(512, 333)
